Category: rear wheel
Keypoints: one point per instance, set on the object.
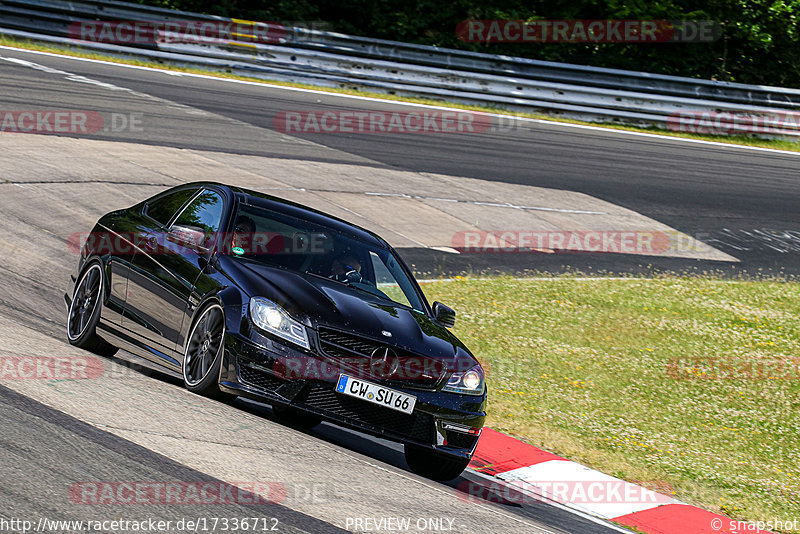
(296, 418)
(203, 355)
(434, 465)
(84, 312)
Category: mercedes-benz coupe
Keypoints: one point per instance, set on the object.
(245, 294)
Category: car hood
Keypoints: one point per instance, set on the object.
(320, 302)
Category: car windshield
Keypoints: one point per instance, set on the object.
(301, 246)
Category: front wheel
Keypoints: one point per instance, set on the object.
(203, 355)
(84, 312)
(434, 465)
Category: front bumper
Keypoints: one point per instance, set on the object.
(447, 422)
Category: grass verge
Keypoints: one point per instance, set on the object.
(689, 386)
(776, 144)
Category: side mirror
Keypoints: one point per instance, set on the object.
(186, 235)
(444, 315)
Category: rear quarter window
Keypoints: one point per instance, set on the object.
(161, 209)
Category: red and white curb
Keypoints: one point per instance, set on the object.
(536, 475)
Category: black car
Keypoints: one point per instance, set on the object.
(245, 294)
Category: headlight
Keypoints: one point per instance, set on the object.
(270, 317)
(469, 382)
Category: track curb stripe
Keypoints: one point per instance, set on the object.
(498, 453)
(535, 471)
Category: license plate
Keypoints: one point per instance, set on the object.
(389, 398)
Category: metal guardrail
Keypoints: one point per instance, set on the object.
(333, 59)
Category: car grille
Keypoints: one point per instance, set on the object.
(425, 372)
(259, 379)
(348, 341)
(417, 426)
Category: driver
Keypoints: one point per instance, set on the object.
(243, 232)
(341, 267)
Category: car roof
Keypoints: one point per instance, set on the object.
(300, 211)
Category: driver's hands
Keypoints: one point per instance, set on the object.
(347, 270)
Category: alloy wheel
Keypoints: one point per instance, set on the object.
(84, 302)
(205, 344)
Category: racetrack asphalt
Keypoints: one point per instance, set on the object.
(742, 201)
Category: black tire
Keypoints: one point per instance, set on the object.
(202, 356)
(434, 465)
(84, 312)
(295, 418)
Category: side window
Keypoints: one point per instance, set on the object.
(382, 274)
(163, 208)
(200, 221)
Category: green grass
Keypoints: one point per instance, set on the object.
(777, 144)
(615, 374)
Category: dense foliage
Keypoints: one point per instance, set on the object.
(759, 42)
